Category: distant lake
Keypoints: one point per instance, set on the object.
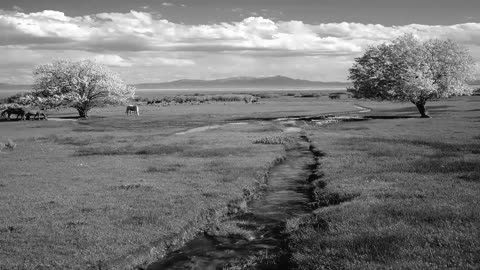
(9, 93)
(172, 92)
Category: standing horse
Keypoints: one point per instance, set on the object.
(133, 109)
(20, 112)
(35, 114)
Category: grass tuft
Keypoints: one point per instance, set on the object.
(9, 145)
(164, 169)
(471, 176)
(81, 140)
(323, 197)
(215, 152)
(274, 140)
(134, 187)
(142, 219)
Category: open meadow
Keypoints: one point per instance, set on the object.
(116, 191)
(396, 193)
(79, 194)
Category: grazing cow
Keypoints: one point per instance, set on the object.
(35, 114)
(133, 109)
(19, 112)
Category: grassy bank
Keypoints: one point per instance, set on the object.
(396, 193)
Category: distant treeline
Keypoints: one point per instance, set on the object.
(199, 98)
(14, 98)
(246, 97)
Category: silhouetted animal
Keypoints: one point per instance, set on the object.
(19, 112)
(35, 114)
(334, 96)
(133, 109)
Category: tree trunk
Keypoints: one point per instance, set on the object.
(83, 113)
(421, 108)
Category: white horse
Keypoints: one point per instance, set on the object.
(133, 109)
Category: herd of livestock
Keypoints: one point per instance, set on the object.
(32, 114)
(23, 114)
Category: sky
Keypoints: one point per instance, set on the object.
(157, 41)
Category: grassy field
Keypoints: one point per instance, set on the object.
(397, 193)
(104, 191)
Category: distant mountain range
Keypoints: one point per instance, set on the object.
(276, 82)
(280, 82)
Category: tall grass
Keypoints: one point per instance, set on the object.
(274, 139)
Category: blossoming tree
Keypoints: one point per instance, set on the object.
(409, 70)
(82, 85)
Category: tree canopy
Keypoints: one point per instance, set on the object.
(409, 70)
(82, 85)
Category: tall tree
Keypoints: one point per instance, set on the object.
(82, 85)
(409, 70)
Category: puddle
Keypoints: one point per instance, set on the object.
(292, 129)
(362, 109)
(198, 129)
(62, 119)
(316, 121)
(285, 197)
(204, 128)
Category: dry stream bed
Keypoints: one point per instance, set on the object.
(259, 236)
(263, 222)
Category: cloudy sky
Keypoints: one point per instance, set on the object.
(155, 41)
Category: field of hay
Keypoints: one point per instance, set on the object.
(80, 194)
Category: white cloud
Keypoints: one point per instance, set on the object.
(173, 62)
(17, 8)
(114, 37)
(141, 31)
(111, 60)
(167, 4)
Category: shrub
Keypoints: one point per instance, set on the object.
(307, 95)
(267, 95)
(476, 92)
